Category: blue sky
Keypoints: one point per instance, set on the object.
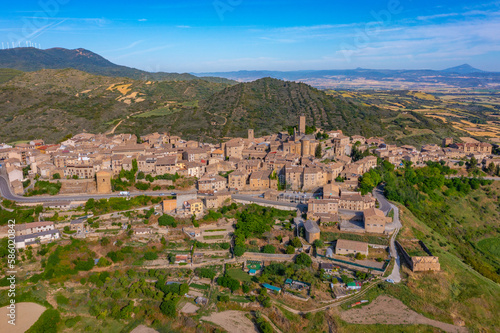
(227, 35)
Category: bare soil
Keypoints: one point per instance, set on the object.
(143, 329)
(189, 308)
(232, 321)
(26, 315)
(390, 311)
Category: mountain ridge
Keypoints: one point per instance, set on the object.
(28, 59)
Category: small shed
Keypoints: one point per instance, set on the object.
(272, 288)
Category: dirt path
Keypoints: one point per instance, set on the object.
(112, 131)
(232, 321)
(276, 329)
(26, 315)
(390, 311)
(331, 304)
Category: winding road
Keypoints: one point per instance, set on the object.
(396, 225)
(7, 194)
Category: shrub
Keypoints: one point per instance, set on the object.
(72, 321)
(167, 220)
(150, 255)
(62, 300)
(268, 249)
(239, 251)
(47, 323)
(296, 242)
(303, 260)
(205, 273)
(142, 186)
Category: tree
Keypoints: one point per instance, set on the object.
(318, 243)
(105, 241)
(290, 249)
(56, 176)
(224, 298)
(360, 256)
(303, 260)
(268, 249)
(171, 257)
(228, 282)
(167, 307)
(150, 255)
(239, 251)
(491, 168)
(318, 151)
(295, 242)
(167, 220)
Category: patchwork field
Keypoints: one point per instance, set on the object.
(388, 310)
(26, 315)
(232, 321)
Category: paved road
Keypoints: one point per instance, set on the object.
(7, 194)
(251, 198)
(386, 206)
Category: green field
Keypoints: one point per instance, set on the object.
(156, 112)
(238, 274)
(491, 245)
(215, 230)
(214, 237)
(200, 286)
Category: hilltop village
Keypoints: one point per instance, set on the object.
(202, 201)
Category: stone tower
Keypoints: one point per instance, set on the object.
(302, 125)
(306, 148)
(447, 142)
(250, 134)
(103, 179)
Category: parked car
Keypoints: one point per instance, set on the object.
(390, 281)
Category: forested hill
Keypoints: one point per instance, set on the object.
(52, 104)
(269, 105)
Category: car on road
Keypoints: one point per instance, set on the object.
(173, 193)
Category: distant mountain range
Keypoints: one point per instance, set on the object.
(30, 59)
(464, 76)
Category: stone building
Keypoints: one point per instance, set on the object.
(103, 180)
(427, 263)
(375, 220)
(312, 231)
(345, 247)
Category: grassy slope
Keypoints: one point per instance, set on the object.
(51, 104)
(457, 292)
(6, 74)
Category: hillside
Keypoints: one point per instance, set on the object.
(270, 105)
(32, 59)
(51, 104)
(6, 74)
(54, 103)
